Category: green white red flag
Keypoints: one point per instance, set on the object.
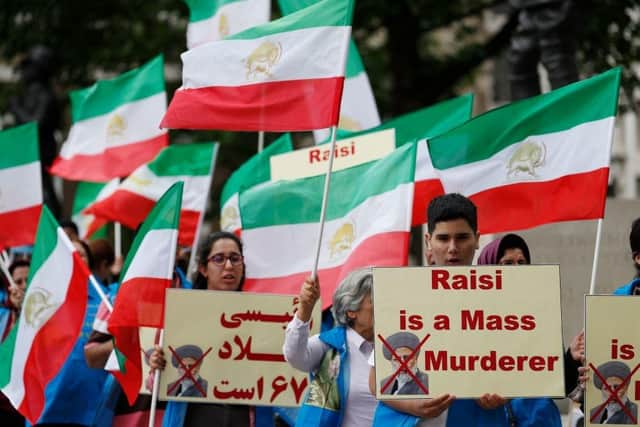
(281, 76)
(147, 272)
(115, 125)
(211, 20)
(20, 185)
(254, 171)
(536, 161)
(279, 220)
(88, 193)
(131, 202)
(50, 322)
(413, 128)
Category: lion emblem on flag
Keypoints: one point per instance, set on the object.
(349, 124)
(223, 26)
(38, 307)
(342, 240)
(528, 156)
(261, 61)
(229, 220)
(116, 127)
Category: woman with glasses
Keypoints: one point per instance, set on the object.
(338, 359)
(220, 268)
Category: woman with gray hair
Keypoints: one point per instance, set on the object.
(337, 359)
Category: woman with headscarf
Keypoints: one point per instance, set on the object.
(511, 249)
(339, 392)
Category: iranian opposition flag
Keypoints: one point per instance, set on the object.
(211, 20)
(50, 322)
(115, 126)
(254, 171)
(368, 221)
(134, 198)
(281, 76)
(146, 274)
(413, 128)
(20, 185)
(86, 194)
(535, 161)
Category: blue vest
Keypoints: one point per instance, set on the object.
(535, 412)
(326, 397)
(628, 288)
(462, 413)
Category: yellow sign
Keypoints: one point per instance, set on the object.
(349, 152)
(226, 347)
(468, 331)
(612, 350)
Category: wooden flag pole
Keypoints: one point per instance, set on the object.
(325, 197)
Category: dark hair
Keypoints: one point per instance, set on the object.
(513, 241)
(634, 242)
(101, 250)
(200, 282)
(17, 264)
(67, 223)
(87, 249)
(449, 207)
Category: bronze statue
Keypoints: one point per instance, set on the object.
(38, 102)
(544, 35)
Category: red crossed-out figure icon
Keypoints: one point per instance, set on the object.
(403, 364)
(613, 393)
(188, 371)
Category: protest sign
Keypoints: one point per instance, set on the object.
(611, 348)
(468, 331)
(349, 152)
(226, 347)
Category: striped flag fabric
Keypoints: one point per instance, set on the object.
(358, 109)
(115, 125)
(50, 322)
(254, 171)
(280, 224)
(539, 160)
(146, 273)
(414, 127)
(20, 185)
(134, 198)
(211, 20)
(86, 194)
(282, 76)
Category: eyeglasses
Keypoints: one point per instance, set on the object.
(221, 259)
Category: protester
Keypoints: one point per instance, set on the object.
(511, 249)
(221, 268)
(335, 397)
(633, 287)
(11, 298)
(66, 394)
(452, 240)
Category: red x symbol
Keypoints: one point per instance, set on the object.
(187, 371)
(613, 394)
(403, 364)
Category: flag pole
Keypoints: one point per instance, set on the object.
(596, 253)
(100, 292)
(325, 197)
(156, 387)
(194, 246)
(156, 374)
(260, 141)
